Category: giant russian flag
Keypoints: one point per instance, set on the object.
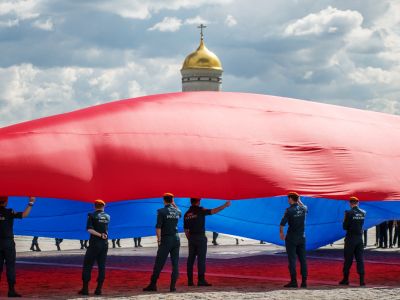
(214, 145)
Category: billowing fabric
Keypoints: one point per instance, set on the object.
(253, 148)
(204, 144)
(253, 218)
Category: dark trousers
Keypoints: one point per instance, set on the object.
(377, 234)
(396, 237)
(353, 247)
(35, 244)
(383, 235)
(390, 228)
(365, 232)
(215, 236)
(84, 243)
(197, 248)
(116, 241)
(296, 248)
(96, 252)
(7, 256)
(169, 245)
(137, 241)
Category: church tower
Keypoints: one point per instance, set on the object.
(202, 69)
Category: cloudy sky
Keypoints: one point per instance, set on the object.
(57, 56)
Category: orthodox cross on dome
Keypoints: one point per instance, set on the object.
(202, 26)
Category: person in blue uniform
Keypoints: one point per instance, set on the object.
(194, 225)
(97, 226)
(353, 244)
(168, 242)
(295, 240)
(7, 245)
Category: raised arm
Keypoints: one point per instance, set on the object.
(28, 209)
(219, 208)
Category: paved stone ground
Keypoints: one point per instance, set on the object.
(245, 271)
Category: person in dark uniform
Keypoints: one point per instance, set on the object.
(353, 244)
(383, 235)
(137, 241)
(84, 244)
(295, 240)
(35, 244)
(396, 237)
(214, 240)
(168, 242)
(390, 228)
(7, 245)
(194, 225)
(97, 226)
(377, 235)
(58, 242)
(116, 241)
(365, 233)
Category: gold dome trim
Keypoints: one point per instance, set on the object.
(202, 58)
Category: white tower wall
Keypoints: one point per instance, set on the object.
(201, 80)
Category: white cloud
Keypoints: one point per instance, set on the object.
(375, 75)
(230, 21)
(22, 9)
(196, 21)
(173, 24)
(9, 23)
(143, 9)
(28, 92)
(389, 106)
(329, 20)
(167, 24)
(46, 25)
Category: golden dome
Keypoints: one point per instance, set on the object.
(202, 58)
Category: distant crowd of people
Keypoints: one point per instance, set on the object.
(84, 243)
(388, 234)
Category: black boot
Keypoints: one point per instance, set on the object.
(304, 282)
(345, 280)
(202, 281)
(172, 287)
(85, 289)
(11, 292)
(98, 288)
(362, 280)
(32, 248)
(190, 280)
(292, 283)
(152, 287)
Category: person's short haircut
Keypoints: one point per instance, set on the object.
(294, 196)
(354, 200)
(168, 197)
(194, 200)
(3, 199)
